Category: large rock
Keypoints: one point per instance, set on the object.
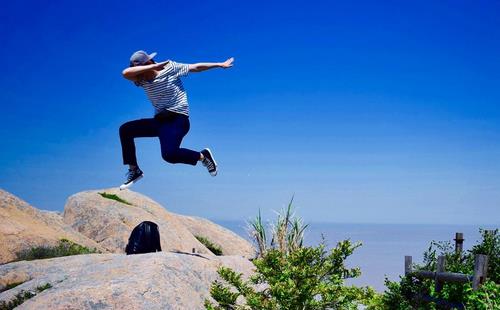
(159, 280)
(230, 243)
(23, 227)
(109, 223)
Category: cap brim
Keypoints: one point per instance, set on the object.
(152, 55)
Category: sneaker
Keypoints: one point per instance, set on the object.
(209, 162)
(133, 175)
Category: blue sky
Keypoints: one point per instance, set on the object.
(376, 111)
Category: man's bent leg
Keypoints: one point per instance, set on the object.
(171, 134)
(146, 127)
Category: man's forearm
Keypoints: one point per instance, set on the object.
(133, 71)
(202, 66)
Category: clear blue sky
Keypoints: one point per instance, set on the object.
(384, 112)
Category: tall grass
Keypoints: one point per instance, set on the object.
(65, 247)
(114, 197)
(257, 232)
(287, 232)
(10, 285)
(214, 248)
(22, 296)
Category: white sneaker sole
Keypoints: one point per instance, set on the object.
(125, 186)
(215, 163)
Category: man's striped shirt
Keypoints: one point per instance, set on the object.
(166, 91)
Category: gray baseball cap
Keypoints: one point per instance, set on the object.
(140, 57)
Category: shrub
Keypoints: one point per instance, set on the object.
(214, 248)
(486, 297)
(304, 278)
(287, 232)
(64, 248)
(11, 285)
(401, 295)
(257, 232)
(490, 245)
(290, 276)
(114, 197)
(22, 297)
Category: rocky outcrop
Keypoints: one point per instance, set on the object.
(109, 223)
(230, 243)
(23, 227)
(159, 280)
(172, 279)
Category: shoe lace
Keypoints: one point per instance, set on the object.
(131, 174)
(209, 164)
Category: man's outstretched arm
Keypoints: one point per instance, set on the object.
(202, 66)
(131, 72)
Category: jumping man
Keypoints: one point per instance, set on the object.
(163, 86)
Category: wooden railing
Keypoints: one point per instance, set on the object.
(440, 276)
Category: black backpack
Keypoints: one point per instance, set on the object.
(145, 238)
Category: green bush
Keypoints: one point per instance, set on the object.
(305, 278)
(114, 197)
(22, 297)
(287, 233)
(402, 294)
(490, 245)
(11, 285)
(486, 297)
(64, 248)
(290, 276)
(214, 248)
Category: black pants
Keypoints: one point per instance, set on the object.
(169, 127)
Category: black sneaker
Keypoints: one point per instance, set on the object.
(209, 162)
(133, 175)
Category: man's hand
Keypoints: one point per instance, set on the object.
(160, 65)
(202, 66)
(228, 63)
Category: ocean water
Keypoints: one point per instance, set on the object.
(384, 245)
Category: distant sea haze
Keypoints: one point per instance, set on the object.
(384, 245)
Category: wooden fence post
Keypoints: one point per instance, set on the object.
(480, 271)
(408, 263)
(440, 268)
(459, 242)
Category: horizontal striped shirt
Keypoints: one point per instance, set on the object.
(166, 91)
